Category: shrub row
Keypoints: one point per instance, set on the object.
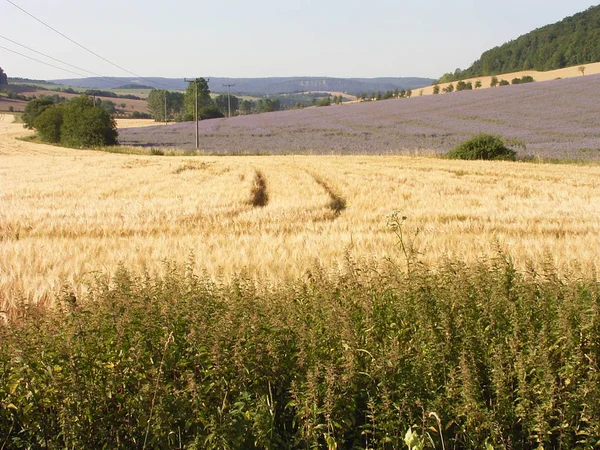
(504, 359)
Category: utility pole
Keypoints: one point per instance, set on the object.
(195, 81)
(229, 86)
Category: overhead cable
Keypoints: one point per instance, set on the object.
(82, 46)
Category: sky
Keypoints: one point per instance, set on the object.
(265, 38)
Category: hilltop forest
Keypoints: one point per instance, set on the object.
(572, 41)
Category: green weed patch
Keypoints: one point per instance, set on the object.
(352, 360)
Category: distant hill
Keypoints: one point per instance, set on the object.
(134, 86)
(572, 41)
(261, 86)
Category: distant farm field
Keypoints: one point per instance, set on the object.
(69, 215)
(554, 119)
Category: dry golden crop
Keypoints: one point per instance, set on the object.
(67, 215)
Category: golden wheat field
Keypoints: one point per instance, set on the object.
(68, 215)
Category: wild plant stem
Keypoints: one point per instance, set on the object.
(156, 387)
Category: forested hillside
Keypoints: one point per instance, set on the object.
(572, 41)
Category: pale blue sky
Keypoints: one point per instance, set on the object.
(260, 38)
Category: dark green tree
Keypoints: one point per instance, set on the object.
(207, 109)
(222, 103)
(33, 109)
(268, 104)
(86, 125)
(494, 82)
(436, 89)
(247, 106)
(325, 101)
(49, 123)
(174, 103)
(109, 106)
(3, 78)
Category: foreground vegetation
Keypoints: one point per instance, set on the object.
(353, 360)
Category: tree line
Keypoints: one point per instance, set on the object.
(468, 85)
(166, 106)
(178, 106)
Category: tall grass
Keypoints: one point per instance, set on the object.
(348, 360)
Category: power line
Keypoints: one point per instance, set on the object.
(65, 63)
(42, 62)
(52, 65)
(83, 47)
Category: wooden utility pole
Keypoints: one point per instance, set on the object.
(229, 86)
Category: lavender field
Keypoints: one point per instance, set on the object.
(555, 119)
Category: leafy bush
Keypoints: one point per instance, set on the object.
(86, 125)
(483, 146)
(140, 115)
(210, 112)
(503, 83)
(78, 123)
(33, 109)
(325, 102)
(525, 79)
(49, 123)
